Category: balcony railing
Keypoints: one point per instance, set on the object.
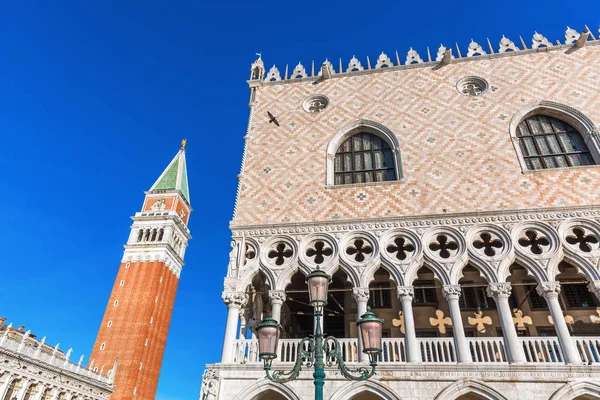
(436, 350)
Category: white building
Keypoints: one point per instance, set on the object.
(30, 369)
(457, 194)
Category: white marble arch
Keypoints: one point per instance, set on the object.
(570, 115)
(263, 385)
(370, 386)
(574, 389)
(354, 127)
(462, 387)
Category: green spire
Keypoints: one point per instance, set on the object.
(174, 177)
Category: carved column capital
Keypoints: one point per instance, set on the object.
(406, 293)
(277, 296)
(451, 292)
(499, 290)
(548, 290)
(361, 294)
(234, 299)
(594, 287)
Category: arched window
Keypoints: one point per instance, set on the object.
(140, 235)
(364, 158)
(547, 142)
(161, 232)
(153, 235)
(13, 388)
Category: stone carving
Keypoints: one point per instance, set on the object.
(472, 86)
(383, 61)
(273, 75)
(568, 320)
(499, 290)
(520, 320)
(440, 321)
(487, 244)
(412, 57)
(359, 249)
(315, 104)
(406, 293)
(360, 294)
(539, 40)
(158, 205)
(475, 49)
(571, 35)
(479, 321)
(548, 290)
(507, 45)
(280, 253)
(444, 246)
(210, 385)
(354, 65)
(277, 296)
(595, 318)
(234, 299)
(320, 251)
(451, 292)
(399, 321)
(233, 259)
(299, 72)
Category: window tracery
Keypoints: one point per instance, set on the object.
(547, 142)
(363, 158)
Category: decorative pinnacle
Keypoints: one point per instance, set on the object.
(183, 143)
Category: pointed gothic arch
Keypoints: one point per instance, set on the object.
(574, 389)
(362, 126)
(579, 121)
(369, 386)
(263, 385)
(463, 387)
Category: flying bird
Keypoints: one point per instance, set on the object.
(272, 119)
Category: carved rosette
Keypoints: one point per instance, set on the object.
(499, 290)
(548, 290)
(451, 292)
(234, 299)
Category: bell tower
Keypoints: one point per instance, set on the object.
(136, 321)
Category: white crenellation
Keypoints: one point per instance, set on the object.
(474, 49)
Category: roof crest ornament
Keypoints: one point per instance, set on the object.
(413, 57)
(299, 72)
(273, 75)
(475, 49)
(539, 40)
(507, 45)
(383, 61)
(571, 35)
(354, 65)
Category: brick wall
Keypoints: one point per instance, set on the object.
(456, 152)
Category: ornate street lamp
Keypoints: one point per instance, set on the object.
(318, 350)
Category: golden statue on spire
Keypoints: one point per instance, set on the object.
(183, 143)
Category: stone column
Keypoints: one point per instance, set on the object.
(550, 292)
(501, 292)
(406, 295)
(361, 295)
(21, 392)
(452, 293)
(277, 298)
(235, 301)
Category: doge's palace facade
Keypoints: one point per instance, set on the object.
(454, 193)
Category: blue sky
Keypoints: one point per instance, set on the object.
(95, 98)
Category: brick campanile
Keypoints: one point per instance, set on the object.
(136, 321)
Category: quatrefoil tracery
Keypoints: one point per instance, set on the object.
(359, 248)
(319, 251)
(401, 248)
(444, 245)
(582, 240)
(280, 253)
(535, 241)
(488, 244)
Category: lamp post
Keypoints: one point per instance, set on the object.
(318, 350)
